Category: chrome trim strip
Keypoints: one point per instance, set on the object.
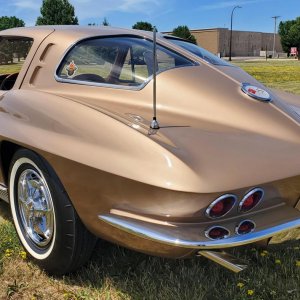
(213, 227)
(238, 226)
(207, 211)
(106, 85)
(249, 194)
(126, 214)
(225, 260)
(142, 230)
(4, 193)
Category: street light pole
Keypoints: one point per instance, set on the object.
(275, 31)
(230, 41)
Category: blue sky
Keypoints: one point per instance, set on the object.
(255, 15)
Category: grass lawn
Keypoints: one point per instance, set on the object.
(10, 68)
(281, 74)
(117, 273)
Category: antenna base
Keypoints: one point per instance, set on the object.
(154, 124)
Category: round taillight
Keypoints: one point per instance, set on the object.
(217, 233)
(251, 199)
(245, 227)
(221, 206)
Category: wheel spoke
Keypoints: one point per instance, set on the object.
(22, 191)
(26, 213)
(35, 187)
(28, 188)
(42, 212)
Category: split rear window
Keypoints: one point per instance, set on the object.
(13, 52)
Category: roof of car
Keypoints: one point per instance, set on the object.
(73, 30)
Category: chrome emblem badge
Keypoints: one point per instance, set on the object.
(256, 92)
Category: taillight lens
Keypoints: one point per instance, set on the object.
(217, 233)
(251, 199)
(221, 206)
(245, 227)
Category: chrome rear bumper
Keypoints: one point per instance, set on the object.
(192, 235)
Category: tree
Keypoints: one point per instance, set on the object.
(105, 22)
(57, 12)
(10, 22)
(284, 29)
(289, 32)
(143, 26)
(295, 35)
(184, 33)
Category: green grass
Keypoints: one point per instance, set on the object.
(117, 273)
(283, 75)
(8, 243)
(11, 68)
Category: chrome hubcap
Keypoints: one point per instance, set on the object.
(36, 207)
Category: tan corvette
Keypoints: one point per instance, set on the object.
(191, 158)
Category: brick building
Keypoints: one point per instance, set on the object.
(244, 43)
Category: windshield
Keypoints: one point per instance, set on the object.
(200, 52)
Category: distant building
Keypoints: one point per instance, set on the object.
(244, 43)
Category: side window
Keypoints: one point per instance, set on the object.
(124, 61)
(13, 52)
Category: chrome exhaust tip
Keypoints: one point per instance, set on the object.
(224, 259)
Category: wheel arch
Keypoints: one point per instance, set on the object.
(7, 151)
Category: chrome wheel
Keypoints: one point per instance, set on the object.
(35, 207)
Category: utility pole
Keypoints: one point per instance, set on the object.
(230, 41)
(275, 31)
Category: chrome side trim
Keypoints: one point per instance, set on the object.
(226, 260)
(4, 193)
(174, 238)
(105, 85)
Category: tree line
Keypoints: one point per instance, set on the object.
(61, 12)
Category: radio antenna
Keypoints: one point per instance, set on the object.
(154, 123)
